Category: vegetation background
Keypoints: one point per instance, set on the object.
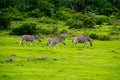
(99, 19)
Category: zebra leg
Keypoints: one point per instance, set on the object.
(30, 43)
(91, 44)
(24, 42)
(34, 42)
(20, 42)
(74, 44)
(85, 44)
(57, 46)
(49, 45)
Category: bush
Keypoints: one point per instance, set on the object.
(115, 31)
(46, 7)
(76, 25)
(69, 10)
(100, 37)
(4, 21)
(64, 31)
(89, 22)
(26, 28)
(45, 31)
(70, 21)
(47, 20)
(93, 36)
(118, 15)
(79, 16)
(103, 19)
(104, 37)
(63, 15)
(36, 13)
(13, 13)
(18, 18)
(81, 21)
(55, 30)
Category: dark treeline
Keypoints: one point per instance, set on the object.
(104, 7)
(75, 13)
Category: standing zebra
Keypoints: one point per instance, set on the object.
(82, 39)
(55, 41)
(30, 38)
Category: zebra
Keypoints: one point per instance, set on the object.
(30, 38)
(55, 41)
(82, 39)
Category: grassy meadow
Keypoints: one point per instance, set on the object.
(100, 62)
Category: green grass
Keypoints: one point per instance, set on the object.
(100, 62)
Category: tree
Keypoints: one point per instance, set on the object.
(4, 21)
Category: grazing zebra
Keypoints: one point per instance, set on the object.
(55, 41)
(30, 38)
(82, 39)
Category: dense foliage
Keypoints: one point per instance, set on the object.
(83, 13)
(4, 21)
(26, 28)
(100, 37)
(105, 7)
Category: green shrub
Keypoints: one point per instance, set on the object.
(118, 15)
(70, 21)
(49, 31)
(63, 15)
(13, 13)
(4, 20)
(114, 33)
(26, 28)
(55, 30)
(36, 13)
(81, 21)
(69, 10)
(89, 22)
(93, 36)
(79, 16)
(64, 31)
(86, 23)
(76, 25)
(100, 37)
(18, 18)
(45, 31)
(47, 20)
(46, 7)
(104, 37)
(103, 19)
(115, 29)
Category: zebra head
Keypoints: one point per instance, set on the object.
(38, 38)
(62, 40)
(90, 40)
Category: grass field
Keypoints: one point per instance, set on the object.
(100, 62)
